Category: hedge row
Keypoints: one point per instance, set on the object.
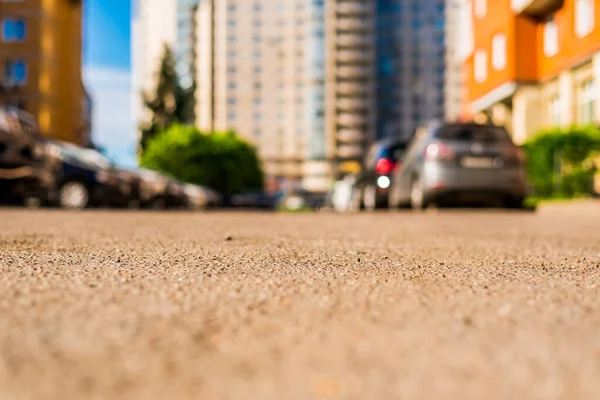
(563, 162)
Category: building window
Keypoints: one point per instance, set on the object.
(15, 72)
(550, 38)
(480, 66)
(554, 110)
(586, 103)
(13, 30)
(499, 51)
(584, 17)
(480, 8)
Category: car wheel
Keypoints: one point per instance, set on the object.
(133, 204)
(417, 197)
(158, 204)
(515, 203)
(394, 202)
(73, 195)
(32, 202)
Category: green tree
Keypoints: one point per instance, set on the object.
(220, 160)
(170, 103)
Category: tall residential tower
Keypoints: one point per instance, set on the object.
(411, 70)
(260, 72)
(154, 25)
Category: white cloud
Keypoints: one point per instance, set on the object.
(113, 126)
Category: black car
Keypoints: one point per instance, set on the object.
(27, 170)
(373, 181)
(150, 188)
(175, 195)
(87, 178)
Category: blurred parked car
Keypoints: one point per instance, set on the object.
(87, 178)
(27, 171)
(460, 163)
(254, 199)
(372, 184)
(160, 191)
(214, 199)
(195, 197)
(151, 188)
(175, 195)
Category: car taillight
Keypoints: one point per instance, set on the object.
(384, 166)
(439, 151)
(515, 154)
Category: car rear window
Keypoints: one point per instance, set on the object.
(473, 133)
(393, 152)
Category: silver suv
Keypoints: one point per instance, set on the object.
(460, 163)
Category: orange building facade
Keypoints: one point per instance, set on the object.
(533, 64)
(41, 58)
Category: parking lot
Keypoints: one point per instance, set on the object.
(212, 305)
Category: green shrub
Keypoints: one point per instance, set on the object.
(559, 162)
(221, 161)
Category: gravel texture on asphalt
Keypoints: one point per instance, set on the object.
(453, 305)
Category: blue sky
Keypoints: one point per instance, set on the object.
(107, 64)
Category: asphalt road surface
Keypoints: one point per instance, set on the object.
(452, 305)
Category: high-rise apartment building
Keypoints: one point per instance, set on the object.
(349, 81)
(40, 54)
(186, 38)
(454, 86)
(411, 70)
(154, 25)
(259, 73)
(534, 64)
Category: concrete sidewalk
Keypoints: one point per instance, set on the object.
(587, 207)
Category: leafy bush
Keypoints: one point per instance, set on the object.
(222, 161)
(560, 162)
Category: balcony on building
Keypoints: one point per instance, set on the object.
(354, 55)
(355, 39)
(352, 23)
(350, 136)
(354, 8)
(352, 104)
(352, 88)
(350, 151)
(354, 71)
(536, 8)
(352, 119)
